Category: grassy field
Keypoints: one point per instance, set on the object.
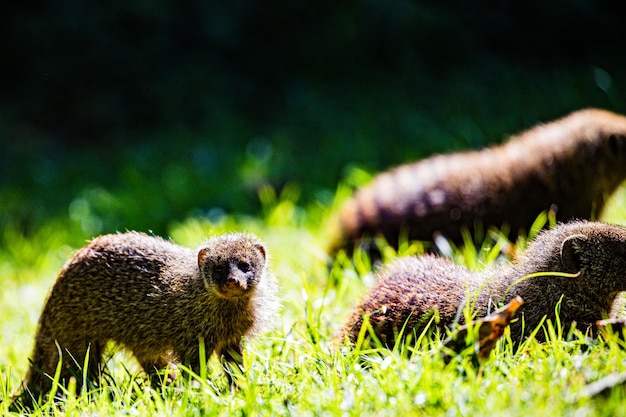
(297, 369)
(278, 178)
(189, 119)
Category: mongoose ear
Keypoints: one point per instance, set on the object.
(570, 253)
(617, 142)
(203, 254)
(261, 248)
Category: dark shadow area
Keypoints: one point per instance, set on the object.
(147, 112)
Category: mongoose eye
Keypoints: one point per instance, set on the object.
(219, 269)
(617, 143)
(243, 266)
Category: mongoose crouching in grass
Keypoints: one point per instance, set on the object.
(154, 298)
(571, 164)
(411, 288)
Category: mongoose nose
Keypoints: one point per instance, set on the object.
(232, 283)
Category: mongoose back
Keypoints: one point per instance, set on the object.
(412, 287)
(154, 298)
(571, 164)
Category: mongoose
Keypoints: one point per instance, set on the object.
(154, 298)
(571, 164)
(412, 287)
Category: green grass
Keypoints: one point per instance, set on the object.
(297, 368)
(184, 178)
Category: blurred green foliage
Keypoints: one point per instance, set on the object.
(132, 115)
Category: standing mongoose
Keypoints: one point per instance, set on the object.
(413, 287)
(571, 164)
(154, 298)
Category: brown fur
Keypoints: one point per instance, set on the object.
(572, 164)
(414, 286)
(154, 298)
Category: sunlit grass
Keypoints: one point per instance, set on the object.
(300, 367)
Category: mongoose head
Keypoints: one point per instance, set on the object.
(232, 265)
(602, 137)
(594, 252)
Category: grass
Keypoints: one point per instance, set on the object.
(55, 194)
(297, 368)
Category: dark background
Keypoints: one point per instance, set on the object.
(139, 113)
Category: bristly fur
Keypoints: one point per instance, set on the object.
(594, 254)
(154, 298)
(571, 164)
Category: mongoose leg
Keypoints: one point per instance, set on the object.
(73, 356)
(191, 358)
(45, 361)
(153, 365)
(38, 380)
(231, 356)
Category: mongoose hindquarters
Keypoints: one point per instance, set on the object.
(414, 286)
(571, 164)
(154, 298)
